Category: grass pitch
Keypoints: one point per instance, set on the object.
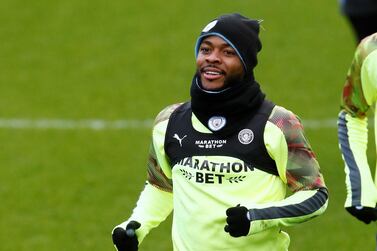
(66, 189)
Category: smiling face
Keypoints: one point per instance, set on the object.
(217, 63)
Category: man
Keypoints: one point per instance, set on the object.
(223, 160)
(359, 94)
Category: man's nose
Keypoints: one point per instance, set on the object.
(213, 57)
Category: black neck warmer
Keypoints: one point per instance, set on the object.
(237, 103)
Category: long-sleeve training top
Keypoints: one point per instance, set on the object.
(359, 94)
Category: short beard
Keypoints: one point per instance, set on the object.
(233, 80)
(230, 81)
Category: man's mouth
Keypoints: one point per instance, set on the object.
(212, 73)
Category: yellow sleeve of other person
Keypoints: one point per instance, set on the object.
(359, 94)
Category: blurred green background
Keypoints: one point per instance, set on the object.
(65, 189)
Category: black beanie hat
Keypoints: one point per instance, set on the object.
(239, 32)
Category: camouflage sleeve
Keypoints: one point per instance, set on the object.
(302, 169)
(156, 175)
(155, 202)
(354, 100)
(298, 167)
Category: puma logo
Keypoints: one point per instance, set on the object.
(179, 139)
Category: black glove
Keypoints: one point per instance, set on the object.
(126, 239)
(365, 214)
(238, 223)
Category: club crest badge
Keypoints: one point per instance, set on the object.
(215, 123)
(246, 136)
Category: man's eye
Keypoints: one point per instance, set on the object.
(204, 50)
(229, 52)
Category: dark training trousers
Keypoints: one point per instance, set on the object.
(363, 26)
